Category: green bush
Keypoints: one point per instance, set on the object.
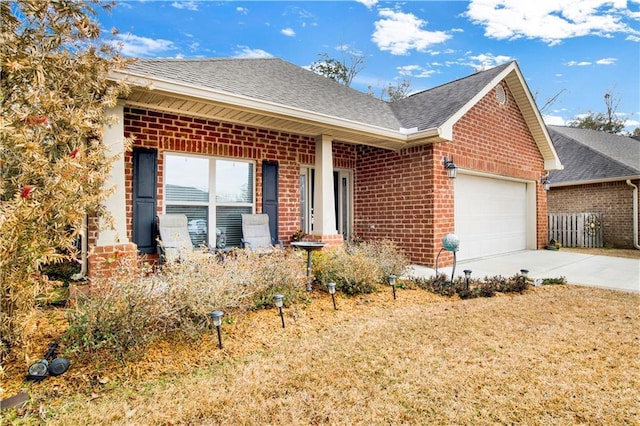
(358, 268)
(486, 287)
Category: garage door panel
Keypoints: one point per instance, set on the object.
(490, 216)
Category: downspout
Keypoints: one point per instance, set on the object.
(635, 214)
(83, 251)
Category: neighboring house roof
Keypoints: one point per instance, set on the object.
(591, 156)
(274, 93)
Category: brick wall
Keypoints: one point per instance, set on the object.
(406, 195)
(181, 133)
(614, 200)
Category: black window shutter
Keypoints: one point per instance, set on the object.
(145, 193)
(270, 195)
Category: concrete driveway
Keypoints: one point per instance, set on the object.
(582, 269)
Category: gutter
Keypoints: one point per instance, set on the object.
(592, 181)
(635, 214)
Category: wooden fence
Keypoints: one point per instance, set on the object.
(576, 229)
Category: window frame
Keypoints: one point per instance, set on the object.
(212, 204)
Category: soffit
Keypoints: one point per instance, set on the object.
(272, 120)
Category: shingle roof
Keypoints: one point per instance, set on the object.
(432, 107)
(590, 155)
(280, 82)
(273, 80)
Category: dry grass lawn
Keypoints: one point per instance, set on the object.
(555, 355)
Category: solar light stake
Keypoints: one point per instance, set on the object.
(467, 275)
(524, 272)
(216, 317)
(392, 283)
(332, 291)
(278, 300)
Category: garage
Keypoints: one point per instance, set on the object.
(490, 215)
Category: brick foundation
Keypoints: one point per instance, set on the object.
(104, 261)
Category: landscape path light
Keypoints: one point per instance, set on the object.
(524, 272)
(467, 275)
(216, 318)
(392, 283)
(278, 299)
(332, 291)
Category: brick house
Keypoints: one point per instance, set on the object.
(214, 138)
(601, 175)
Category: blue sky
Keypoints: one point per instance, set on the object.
(578, 49)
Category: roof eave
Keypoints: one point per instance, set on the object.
(185, 89)
(593, 181)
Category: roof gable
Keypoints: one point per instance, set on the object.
(591, 156)
(433, 107)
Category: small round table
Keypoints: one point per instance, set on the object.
(309, 246)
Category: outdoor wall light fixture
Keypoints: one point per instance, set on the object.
(216, 318)
(467, 275)
(332, 291)
(546, 182)
(278, 300)
(450, 167)
(392, 283)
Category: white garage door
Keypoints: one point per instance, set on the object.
(490, 215)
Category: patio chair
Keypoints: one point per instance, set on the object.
(174, 239)
(256, 235)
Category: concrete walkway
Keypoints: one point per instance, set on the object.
(582, 269)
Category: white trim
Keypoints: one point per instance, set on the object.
(211, 204)
(592, 181)
(252, 104)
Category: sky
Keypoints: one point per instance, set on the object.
(573, 50)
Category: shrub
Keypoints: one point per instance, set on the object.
(358, 268)
(486, 287)
(53, 165)
(133, 308)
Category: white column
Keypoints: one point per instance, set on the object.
(324, 219)
(113, 138)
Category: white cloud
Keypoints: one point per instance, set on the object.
(247, 52)
(554, 120)
(133, 45)
(288, 32)
(606, 61)
(633, 38)
(550, 20)
(368, 3)
(242, 10)
(188, 5)
(485, 61)
(578, 64)
(415, 71)
(399, 32)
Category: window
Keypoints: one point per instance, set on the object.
(212, 192)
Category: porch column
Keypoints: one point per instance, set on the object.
(113, 138)
(112, 246)
(324, 219)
